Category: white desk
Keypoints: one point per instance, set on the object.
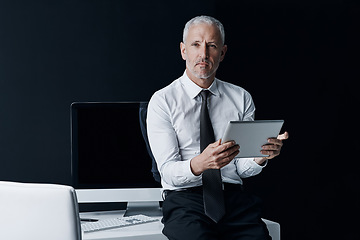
(147, 231)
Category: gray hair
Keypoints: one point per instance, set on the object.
(204, 19)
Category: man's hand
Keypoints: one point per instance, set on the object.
(215, 156)
(273, 147)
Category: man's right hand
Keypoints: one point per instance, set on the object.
(215, 156)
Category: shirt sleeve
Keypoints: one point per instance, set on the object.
(249, 107)
(164, 145)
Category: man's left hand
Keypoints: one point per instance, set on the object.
(272, 148)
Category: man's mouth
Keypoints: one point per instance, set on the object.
(202, 64)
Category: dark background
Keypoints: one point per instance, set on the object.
(299, 60)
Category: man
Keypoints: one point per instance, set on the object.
(174, 122)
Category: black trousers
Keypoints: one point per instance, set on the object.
(184, 217)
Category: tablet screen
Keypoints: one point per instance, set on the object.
(251, 135)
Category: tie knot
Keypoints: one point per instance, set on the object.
(204, 94)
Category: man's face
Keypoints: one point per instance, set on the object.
(203, 51)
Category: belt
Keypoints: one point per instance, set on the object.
(199, 189)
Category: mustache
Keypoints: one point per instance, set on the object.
(202, 61)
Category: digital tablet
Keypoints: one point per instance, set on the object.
(251, 135)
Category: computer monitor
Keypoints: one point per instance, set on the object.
(111, 158)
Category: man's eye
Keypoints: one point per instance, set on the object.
(195, 44)
(212, 46)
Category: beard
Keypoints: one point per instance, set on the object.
(203, 73)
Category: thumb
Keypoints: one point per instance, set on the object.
(217, 143)
(283, 136)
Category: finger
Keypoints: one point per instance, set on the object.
(228, 152)
(275, 141)
(271, 147)
(215, 144)
(224, 147)
(227, 155)
(226, 160)
(271, 154)
(283, 136)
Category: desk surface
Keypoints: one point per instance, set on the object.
(146, 231)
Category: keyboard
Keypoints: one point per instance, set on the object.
(110, 223)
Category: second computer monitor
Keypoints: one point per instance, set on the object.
(111, 159)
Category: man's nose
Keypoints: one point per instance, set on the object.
(204, 51)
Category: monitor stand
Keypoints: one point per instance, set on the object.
(151, 209)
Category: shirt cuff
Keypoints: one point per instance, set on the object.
(251, 168)
(182, 176)
(264, 164)
(189, 175)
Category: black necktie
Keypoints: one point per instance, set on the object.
(211, 178)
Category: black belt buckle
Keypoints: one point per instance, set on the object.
(165, 193)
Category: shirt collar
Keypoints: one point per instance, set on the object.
(193, 90)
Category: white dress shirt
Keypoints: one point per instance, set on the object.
(173, 125)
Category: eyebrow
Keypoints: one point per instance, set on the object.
(211, 42)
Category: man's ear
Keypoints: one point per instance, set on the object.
(183, 50)
(223, 51)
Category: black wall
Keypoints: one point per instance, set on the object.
(300, 62)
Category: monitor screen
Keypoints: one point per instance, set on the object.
(109, 146)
